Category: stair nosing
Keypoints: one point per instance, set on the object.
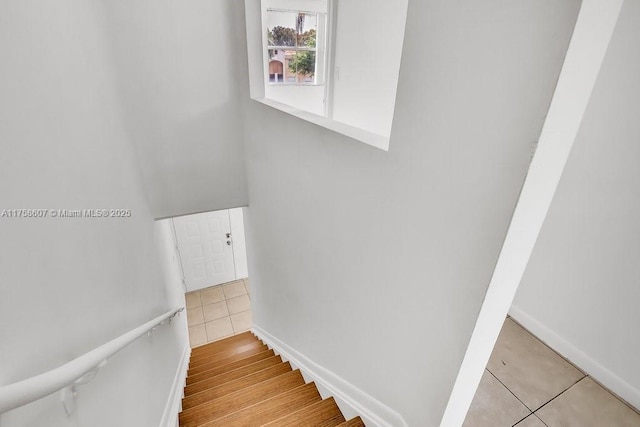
(319, 402)
(287, 364)
(235, 361)
(208, 423)
(251, 350)
(210, 348)
(212, 402)
(222, 354)
(275, 357)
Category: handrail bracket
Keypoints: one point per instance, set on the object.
(68, 397)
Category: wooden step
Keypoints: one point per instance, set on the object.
(233, 386)
(271, 409)
(238, 400)
(240, 348)
(221, 345)
(234, 374)
(353, 422)
(230, 364)
(320, 414)
(196, 351)
(210, 365)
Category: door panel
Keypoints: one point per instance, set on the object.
(205, 250)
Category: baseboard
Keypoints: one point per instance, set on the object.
(174, 402)
(351, 400)
(579, 358)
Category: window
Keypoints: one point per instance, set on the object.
(333, 63)
(292, 47)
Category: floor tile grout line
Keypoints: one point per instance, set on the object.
(522, 419)
(224, 336)
(584, 373)
(222, 317)
(540, 419)
(546, 345)
(509, 390)
(529, 416)
(229, 314)
(559, 394)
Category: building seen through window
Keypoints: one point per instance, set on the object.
(292, 39)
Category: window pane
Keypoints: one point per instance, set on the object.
(281, 28)
(293, 43)
(290, 66)
(306, 29)
(302, 66)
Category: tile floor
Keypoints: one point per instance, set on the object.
(526, 384)
(218, 312)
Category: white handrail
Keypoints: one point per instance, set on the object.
(34, 388)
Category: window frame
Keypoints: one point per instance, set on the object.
(319, 49)
(255, 15)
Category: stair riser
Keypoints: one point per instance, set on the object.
(354, 422)
(321, 414)
(209, 365)
(233, 386)
(239, 382)
(271, 409)
(236, 401)
(222, 344)
(232, 375)
(224, 354)
(228, 365)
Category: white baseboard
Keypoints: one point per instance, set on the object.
(174, 402)
(351, 400)
(579, 358)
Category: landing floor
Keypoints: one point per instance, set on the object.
(526, 384)
(218, 312)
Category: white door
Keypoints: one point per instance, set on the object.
(205, 246)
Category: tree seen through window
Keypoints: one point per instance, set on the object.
(292, 41)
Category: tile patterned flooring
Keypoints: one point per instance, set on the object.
(218, 312)
(526, 384)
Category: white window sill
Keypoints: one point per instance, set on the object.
(359, 134)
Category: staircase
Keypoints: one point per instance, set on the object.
(240, 382)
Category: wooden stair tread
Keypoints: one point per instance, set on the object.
(235, 385)
(238, 400)
(223, 342)
(233, 374)
(229, 363)
(270, 409)
(221, 345)
(212, 364)
(239, 382)
(353, 422)
(240, 348)
(231, 348)
(320, 414)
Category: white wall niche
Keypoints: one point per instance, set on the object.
(358, 62)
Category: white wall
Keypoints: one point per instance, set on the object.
(369, 36)
(236, 219)
(580, 291)
(170, 264)
(68, 285)
(374, 264)
(178, 76)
